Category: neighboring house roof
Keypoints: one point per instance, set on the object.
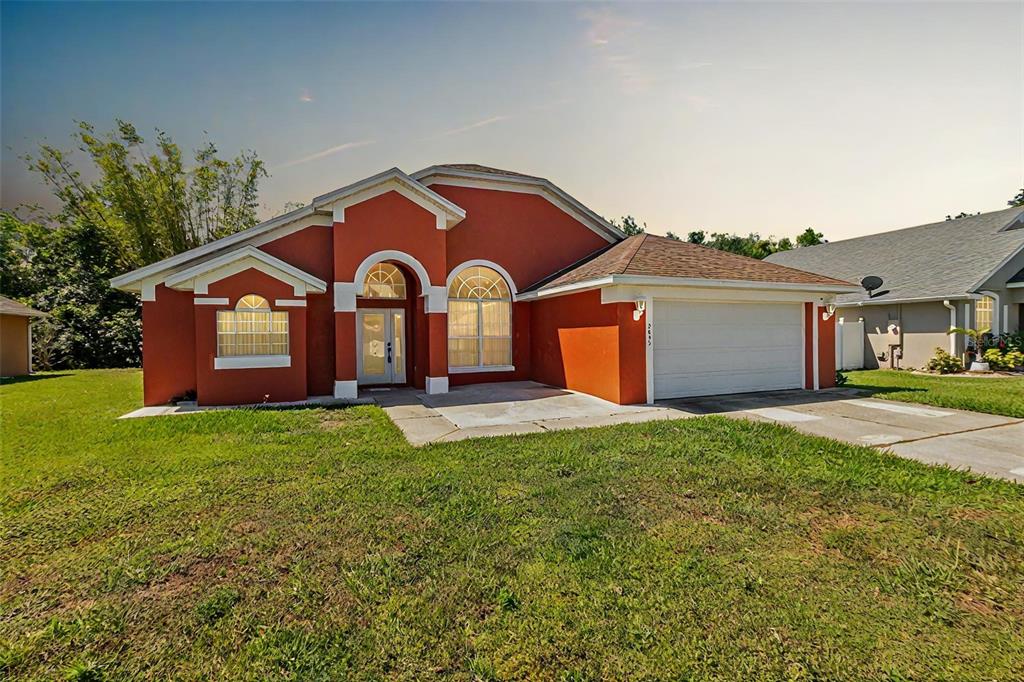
(9, 307)
(650, 257)
(320, 210)
(949, 259)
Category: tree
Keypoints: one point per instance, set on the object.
(135, 204)
(696, 237)
(672, 235)
(810, 238)
(629, 226)
(69, 268)
(1017, 200)
(962, 214)
(150, 203)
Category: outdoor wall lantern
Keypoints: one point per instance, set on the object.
(641, 306)
(830, 310)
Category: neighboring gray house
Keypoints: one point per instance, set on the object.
(967, 272)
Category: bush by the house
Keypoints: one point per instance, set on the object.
(944, 363)
(1004, 360)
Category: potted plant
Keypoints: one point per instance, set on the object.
(977, 337)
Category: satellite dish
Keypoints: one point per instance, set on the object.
(871, 283)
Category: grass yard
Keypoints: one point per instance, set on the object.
(316, 544)
(1003, 395)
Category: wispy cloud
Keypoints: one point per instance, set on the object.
(305, 95)
(325, 152)
(614, 39)
(693, 66)
(473, 126)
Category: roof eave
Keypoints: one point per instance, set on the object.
(690, 282)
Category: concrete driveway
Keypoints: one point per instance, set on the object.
(983, 443)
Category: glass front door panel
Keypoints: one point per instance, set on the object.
(374, 351)
(398, 346)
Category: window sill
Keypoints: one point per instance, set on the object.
(252, 361)
(486, 368)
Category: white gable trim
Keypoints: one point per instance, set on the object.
(445, 175)
(199, 277)
(304, 217)
(318, 213)
(447, 214)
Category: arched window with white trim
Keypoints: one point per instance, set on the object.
(384, 280)
(479, 319)
(252, 328)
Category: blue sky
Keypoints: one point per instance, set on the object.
(729, 117)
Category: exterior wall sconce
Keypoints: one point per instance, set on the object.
(641, 306)
(830, 310)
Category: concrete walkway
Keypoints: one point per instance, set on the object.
(984, 443)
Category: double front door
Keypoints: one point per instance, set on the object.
(381, 345)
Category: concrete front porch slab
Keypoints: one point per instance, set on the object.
(502, 409)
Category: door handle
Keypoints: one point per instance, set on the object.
(389, 352)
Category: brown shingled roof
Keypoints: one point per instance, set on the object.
(654, 256)
(477, 168)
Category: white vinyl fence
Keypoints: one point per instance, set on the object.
(849, 344)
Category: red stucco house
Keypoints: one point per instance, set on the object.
(460, 274)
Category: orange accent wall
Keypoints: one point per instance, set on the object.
(826, 351)
(240, 386)
(579, 343)
(524, 233)
(168, 346)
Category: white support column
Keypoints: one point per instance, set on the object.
(952, 326)
(815, 320)
(346, 390)
(437, 385)
(649, 346)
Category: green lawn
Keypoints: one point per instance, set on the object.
(316, 544)
(1002, 395)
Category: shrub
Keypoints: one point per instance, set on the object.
(1002, 361)
(944, 363)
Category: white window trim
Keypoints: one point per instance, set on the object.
(251, 361)
(483, 368)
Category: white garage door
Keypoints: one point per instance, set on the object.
(716, 348)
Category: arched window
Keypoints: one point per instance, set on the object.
(479, 319)
(252, 328)
(384, 280)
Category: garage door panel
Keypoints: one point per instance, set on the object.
(682, 361)
(716, 348)
(767, 338)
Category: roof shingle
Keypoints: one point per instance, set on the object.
(937, 260)
(654, 256)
